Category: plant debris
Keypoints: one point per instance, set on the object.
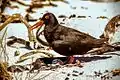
(102, 17)
(81, 16)
(72, 16)
(4, 75)
(17, 68)
(116, 72)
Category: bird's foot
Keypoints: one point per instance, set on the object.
(78, 63)
(72, 61)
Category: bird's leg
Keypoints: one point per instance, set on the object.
(71, 59)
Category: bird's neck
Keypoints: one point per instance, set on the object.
(49, 31)
(51, 27)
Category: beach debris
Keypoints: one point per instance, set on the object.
(18, 17)
(116, 72)
(72, 16)
(75, 75)
(67, 78)
(28, 17)
(45, 52)
(68, 74)
(37, 65)
(17, 53)
(81, 73)
(102, 17)
(22, 60)
(62, 16)
(81, 16)
(4, 74)
(17, 68)
(82, 7)
(74, 71)
(39, 4)
(97, 74)
(14, 39)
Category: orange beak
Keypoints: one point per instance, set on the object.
(40, 23)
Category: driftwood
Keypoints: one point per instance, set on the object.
(19, 17)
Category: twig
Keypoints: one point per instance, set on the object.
(3, 47)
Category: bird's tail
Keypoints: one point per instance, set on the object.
(105, 48)
(116, 46)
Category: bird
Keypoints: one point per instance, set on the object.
(111, 28)
(65, 40)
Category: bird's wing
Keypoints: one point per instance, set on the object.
(62, 47)
(58, 43)
(75, 37)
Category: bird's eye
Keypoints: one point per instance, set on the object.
(46, 17)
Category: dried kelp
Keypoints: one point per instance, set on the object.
(116, 72)
(4, 75)
(17, 68)
(47, 53)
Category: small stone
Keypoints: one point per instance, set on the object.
(106, 71)
(64, 19)
(17, 53)
(81, 73)
(81, 16)
(63, 72)
(74, 75)
(72, 16)
(95, 72)
(89, 16)
(62, 23)
(66, 78)
(75, 71)
(68, 74)
(62, 16)
(99, 73)
(72, 7)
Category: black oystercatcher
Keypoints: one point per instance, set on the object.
(67, 41)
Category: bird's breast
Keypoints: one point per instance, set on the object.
(51, 36)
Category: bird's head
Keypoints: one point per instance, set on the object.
(47, 19)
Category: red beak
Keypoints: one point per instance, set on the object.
(40, 23)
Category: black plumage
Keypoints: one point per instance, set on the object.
(66, 41)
